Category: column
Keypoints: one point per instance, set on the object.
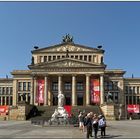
(49, 93)
(46, 91)
(74, 99)
(1, 101)
(101, 89)
(87, 90)
(26, 97)
(35, 89)
(59, 83)
(5, 100)
(14, 92)
(32, 92)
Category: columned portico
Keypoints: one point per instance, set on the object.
(101, 89)
(87, 89)
(74, 99)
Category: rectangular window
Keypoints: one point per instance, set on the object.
(137, 90)
(81, 57)
(67, 86)
(11, 90)
(80, 86)
(116, 97)
(55, 86)
(115, 85)
(130, 90)
(29, 86)
(89, 58)
(134, 90)
(58, 57)
(76, 56)
(54, 57)
(49, 58)
(63, 56)
(24, 86)
(126, 89)
(85, 57)
(45, 58)
(127, 100)
(106, 85)
(110, 86)
(19, 86)
(7, 90)
(3, 90)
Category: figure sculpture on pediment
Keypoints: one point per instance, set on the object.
(67, 38)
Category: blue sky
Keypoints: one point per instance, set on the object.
(114, 25)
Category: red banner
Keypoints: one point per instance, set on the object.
(40, 91)
(95, 91)
(133, 108)
(4, 110)
(68, 109)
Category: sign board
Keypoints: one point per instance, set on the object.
(133, 108)
(4, 110)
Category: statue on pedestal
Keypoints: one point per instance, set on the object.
(60, 115)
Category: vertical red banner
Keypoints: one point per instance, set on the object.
(95, 91)
(40, 91)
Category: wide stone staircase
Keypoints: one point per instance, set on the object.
(45, 112)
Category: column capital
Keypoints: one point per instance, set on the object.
(88, 74)
(74, 75)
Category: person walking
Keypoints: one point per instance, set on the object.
(102, 125)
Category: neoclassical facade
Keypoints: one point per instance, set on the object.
(78, 71)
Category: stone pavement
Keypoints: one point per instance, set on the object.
(24, 129)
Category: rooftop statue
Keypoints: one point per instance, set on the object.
(67, 38)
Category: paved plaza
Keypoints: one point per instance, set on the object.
(24, 129)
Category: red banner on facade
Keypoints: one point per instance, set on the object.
(68, 109)
(40, 91)
(4, 110)
(133, 108)
(95, 91)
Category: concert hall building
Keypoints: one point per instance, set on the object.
(79, 72)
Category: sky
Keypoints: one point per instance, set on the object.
(114, 25)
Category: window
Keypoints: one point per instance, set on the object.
(130, 90)
(81, 57)
(134, 90)
(72, 56)
(80, 86)
(85, 57)
(45, 58)
(0, 90)
(63, 56)
(29, 86)
(137, 90)
(54, 57)
(7, 90)
(67, 86)
(76, 56)
(58, 57)
(116, 97)
(115, 85)
(54, 86)
(19, 86)
(3, 90)
(110, 86)
(24, 86)
(126, 89)
(11, 90)
(89, 58)
(49, 58)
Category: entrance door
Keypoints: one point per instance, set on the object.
(79, 98)
(67, 98)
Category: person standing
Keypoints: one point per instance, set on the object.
(102, 126)
(88, 124)
(81, 121)
(95, 125)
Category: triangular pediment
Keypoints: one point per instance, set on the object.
(66, 63)
(71, 47)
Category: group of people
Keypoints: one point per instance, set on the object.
(92, 123)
